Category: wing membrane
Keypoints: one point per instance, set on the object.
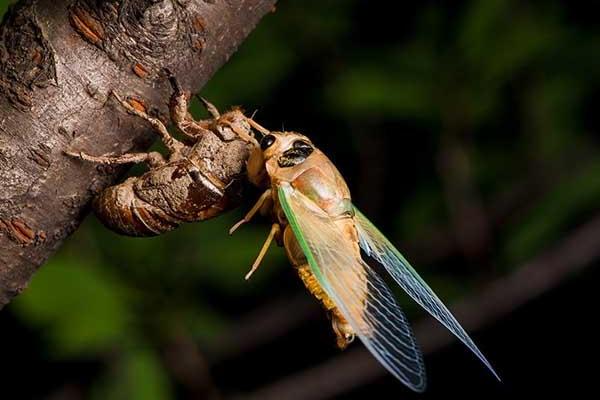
(378, 247)
(355, 288)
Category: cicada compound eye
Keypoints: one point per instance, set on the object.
(267, 141)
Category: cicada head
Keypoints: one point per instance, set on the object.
(278, 151)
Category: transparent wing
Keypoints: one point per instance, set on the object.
(374, 244)
(355, 288)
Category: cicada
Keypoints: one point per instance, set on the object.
(336, 251)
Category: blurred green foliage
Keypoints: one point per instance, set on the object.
(139, 374)
(509, 83)
(78, 327)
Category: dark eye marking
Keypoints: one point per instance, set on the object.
(267, 141)
(299, 152)
(302, 145)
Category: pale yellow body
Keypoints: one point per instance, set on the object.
(303, 185)
(318, 179)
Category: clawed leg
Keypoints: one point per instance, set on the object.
(153, 159)
(180, 116)
(178, 105)
(242, 132)
(275, 230)
(259, 203)
(194, 129)
(170, 142)
(212, 110)
(183, 120)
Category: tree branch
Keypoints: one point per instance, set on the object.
(357, 367)
(59, 60)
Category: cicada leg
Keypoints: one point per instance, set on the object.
(261, 203)
(275, 231)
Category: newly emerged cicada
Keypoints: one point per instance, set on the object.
(324, 234)
(325, 237)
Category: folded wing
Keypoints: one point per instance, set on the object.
(355, 288)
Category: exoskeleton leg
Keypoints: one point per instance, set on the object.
(183, 120)
(194, 129)
(212, 110)
(174, 145)
(153, 159)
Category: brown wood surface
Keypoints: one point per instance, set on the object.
(59, 60)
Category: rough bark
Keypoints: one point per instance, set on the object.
(59, 60)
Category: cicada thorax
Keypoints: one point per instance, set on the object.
(317, 179)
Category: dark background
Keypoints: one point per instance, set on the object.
(467, 130)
